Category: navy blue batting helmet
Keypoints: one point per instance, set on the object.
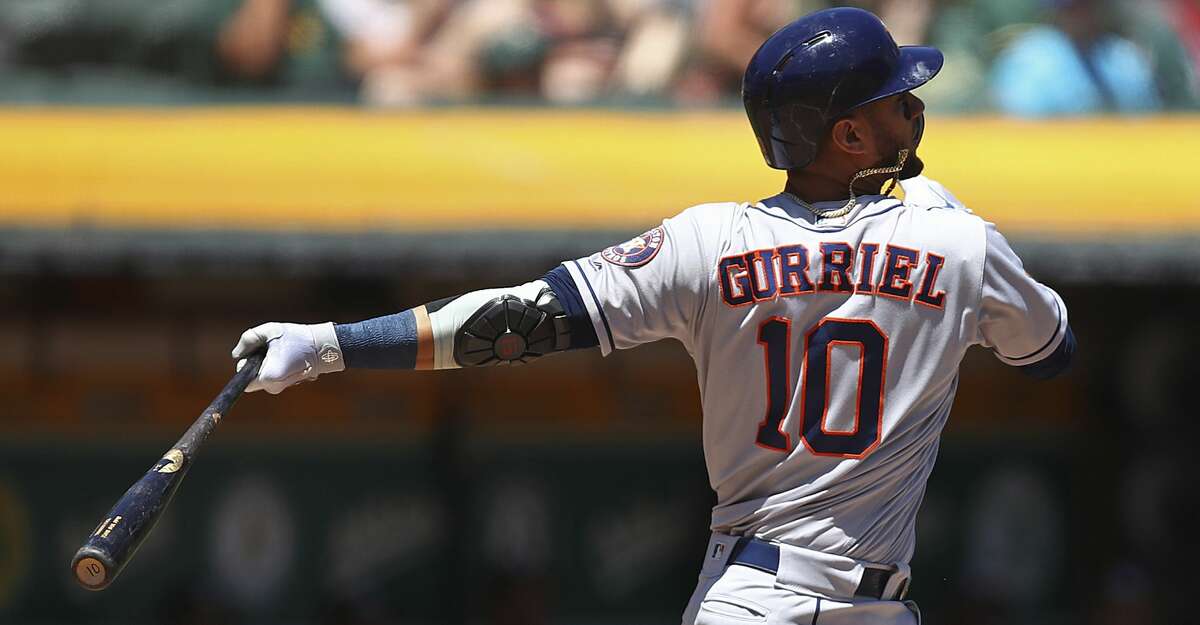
(818, 68)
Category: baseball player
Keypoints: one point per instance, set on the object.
(827, 324)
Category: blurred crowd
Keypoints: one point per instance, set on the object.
(1021, 57)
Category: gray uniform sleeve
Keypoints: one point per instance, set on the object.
(923, 192)
(653, 286)
(1021, 320)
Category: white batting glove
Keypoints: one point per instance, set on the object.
(295, 353)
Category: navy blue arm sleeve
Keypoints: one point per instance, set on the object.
(1056, 363)
(381, 343)
(583, 333)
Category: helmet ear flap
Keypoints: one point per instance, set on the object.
(802, 130)
(786, 144)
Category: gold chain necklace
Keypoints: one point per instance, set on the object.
(844, 210)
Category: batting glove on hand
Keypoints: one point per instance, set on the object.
(295, 353)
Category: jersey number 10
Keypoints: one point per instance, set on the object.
(775, 336)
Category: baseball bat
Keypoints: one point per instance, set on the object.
(117, 538)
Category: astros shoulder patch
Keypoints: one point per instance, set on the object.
(637, 251)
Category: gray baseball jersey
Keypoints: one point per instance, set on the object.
(826, 351)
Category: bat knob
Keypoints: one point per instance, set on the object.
(92, 568)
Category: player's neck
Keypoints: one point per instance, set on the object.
(817, 186)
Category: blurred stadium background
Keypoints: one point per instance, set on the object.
(173, 171)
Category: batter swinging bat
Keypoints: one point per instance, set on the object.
(113, 543)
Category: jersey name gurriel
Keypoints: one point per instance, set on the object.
(790, 271)
(826, 350)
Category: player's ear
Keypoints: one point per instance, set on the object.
(850, 135)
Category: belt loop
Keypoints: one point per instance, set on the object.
(736, 548)
(720, 550)
(896, 587)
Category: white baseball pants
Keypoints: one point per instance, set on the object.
(810, 588)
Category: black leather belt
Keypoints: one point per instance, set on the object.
(764, 556)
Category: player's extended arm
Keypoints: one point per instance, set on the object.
(1017, 313)
(494, 326)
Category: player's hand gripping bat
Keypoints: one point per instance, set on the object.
(114, 541)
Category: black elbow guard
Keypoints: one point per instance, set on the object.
(511, 330)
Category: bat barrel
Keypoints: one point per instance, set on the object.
(113, 543)
(117, 538)
(93, 568)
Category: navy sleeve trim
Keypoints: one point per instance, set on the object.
(1057, 328)
(1056, 363)
(583, 333)
(599, 308)
(381, 343)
